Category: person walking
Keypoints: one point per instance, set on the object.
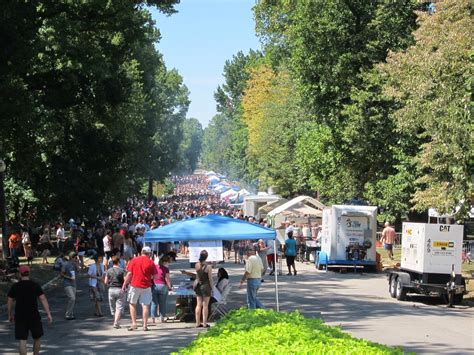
(203, 289)
(162, 286)
(114, 278)
(68, 272)
(25, 294)
(60, 237)
(253, 276)
(388, 239)
(141, 271)
(96, 283)
(290, 252)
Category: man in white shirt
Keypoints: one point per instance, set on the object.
(60, 237)
(253, 275)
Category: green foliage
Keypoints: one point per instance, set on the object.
(432, 82)
(268, 332)
(190, 147)
(88, 110)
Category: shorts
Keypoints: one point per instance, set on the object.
(139, 294)
(204, 290)
(290, 260)
(95, 294)
(388, 246)
(23, 327)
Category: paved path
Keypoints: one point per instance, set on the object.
(359, 303)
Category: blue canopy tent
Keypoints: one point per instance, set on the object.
(213, 227)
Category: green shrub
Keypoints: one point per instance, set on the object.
(268, 332)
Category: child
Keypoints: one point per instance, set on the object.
(29, 253)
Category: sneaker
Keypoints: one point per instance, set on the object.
(117, 326)
(289, 274)
(70, 318)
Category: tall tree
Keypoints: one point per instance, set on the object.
(432, 81)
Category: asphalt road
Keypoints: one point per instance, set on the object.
(359, 303)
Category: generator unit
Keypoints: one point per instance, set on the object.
(430, 262)
(348, 236)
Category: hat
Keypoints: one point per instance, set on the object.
(146, 250)
(24, 270)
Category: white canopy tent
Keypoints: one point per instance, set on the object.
(301, 206)
(228, 194)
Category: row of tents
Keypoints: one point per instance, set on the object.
(228, 191)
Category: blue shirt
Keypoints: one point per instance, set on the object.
(290, 247)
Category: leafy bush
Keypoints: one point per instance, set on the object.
(268, 332)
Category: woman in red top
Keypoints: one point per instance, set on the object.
(162, 285)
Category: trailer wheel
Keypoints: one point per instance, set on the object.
(392, 286)
(458, 298)
(401, 292)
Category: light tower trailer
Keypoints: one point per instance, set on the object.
(430, 262)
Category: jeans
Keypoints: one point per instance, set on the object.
(14, 254)
(159, 296)
(252, 287)
(71, 295)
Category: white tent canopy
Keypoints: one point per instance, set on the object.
(301, 205)
(228, 193)
(243, 192)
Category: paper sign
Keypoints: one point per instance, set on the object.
(213, 248)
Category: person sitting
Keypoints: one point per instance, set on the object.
(221, 285)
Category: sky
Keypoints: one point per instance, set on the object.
(198, 39)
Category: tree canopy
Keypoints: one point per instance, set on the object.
(88, 108)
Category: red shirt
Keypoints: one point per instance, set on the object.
(142, 269)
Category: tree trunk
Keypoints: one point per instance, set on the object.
(150, 189)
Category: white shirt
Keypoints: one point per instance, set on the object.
(60, 234)
(107, 246)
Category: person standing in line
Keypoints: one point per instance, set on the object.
(162, 286)
(141, 271)
(25, 294)
(253, 276)
(114, 278)
(203, 289)
(96, 283)
(68, 272)
(290, 252)
(388, 239)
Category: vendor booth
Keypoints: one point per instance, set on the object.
(212, 228)
(303, 209)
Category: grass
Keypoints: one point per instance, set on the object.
(39, 273)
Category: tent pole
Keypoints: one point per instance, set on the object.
(276, 273)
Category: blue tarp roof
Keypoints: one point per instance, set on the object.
(211, 227)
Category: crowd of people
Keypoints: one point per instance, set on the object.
(125, 271)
